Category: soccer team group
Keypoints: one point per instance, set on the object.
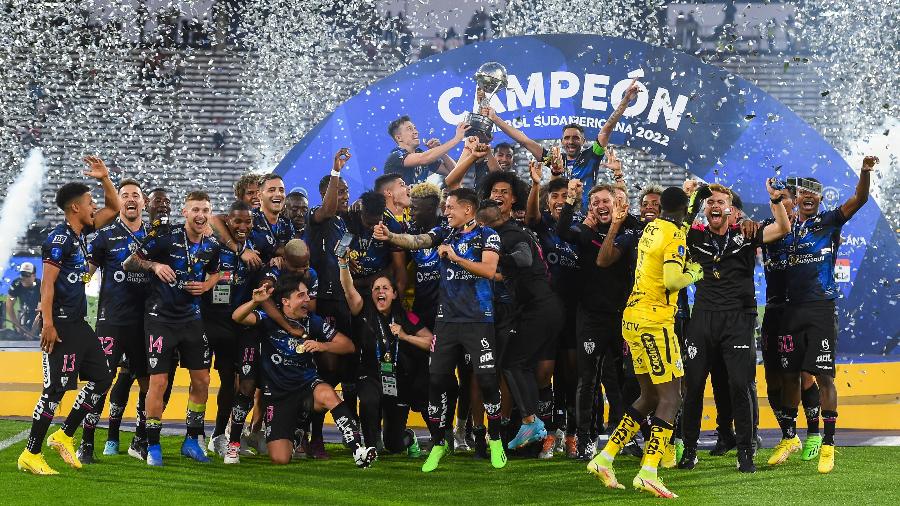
(514, 308)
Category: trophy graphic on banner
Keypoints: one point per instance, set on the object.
(490, 77)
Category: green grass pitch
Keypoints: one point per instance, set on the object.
(863, 475)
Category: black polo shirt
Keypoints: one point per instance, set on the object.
(727, 262)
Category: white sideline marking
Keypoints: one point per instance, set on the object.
(6, 443)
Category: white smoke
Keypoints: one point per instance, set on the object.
(18, 208)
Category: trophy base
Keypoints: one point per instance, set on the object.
(480, 126)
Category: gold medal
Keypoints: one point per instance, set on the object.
(716, 274)
(86, 277)
(387, 357)
(300, 349)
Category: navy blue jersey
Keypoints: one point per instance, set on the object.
(371, 255)
(286, 366)
(310, 279)
(584, 167)
(812, 252)
(775, 260)
(67, 251)
(190, 261)
(234, 287)
(561, 256)
(627, 243)
(465, 297)
(428, 277)
(122, 294)
(322, 238)
(411, 175)
(29, 299)
(266, 237)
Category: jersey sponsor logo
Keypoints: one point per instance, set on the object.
(73, 277)
(826, 346)
(55, 253)
(59, 239)
(119, 276)
(681, 250)
(486, 357)
(276, 359)
(823, 359)
(485, 345)
(653, 355)
(630, 325)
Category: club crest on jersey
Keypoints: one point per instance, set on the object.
(589, 347)
(680, 250)
(463, 247)
(132, 246)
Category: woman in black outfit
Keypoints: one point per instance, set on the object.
(393, 368)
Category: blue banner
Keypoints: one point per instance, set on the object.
(717, 125)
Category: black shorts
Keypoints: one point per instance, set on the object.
(164, 339)
(451, 338)
(121, 341)
(810, 340)
(284, 411)
(771, 337)
(77, 355)
(222, 334)
(598, 333)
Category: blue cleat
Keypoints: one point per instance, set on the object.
(191, 448)
(154, 455)
(111, 448)
(528, 433)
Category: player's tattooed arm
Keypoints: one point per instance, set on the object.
(134, 263)
(405, 241)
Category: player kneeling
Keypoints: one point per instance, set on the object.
(291, 381)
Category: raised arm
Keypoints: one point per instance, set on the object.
(609, 253)
(774, 231)
(533, 205)
(354, 299)
(244, 314)
(111, 205)
(472, 152)
(514, 133)
(405, 241)
(434, 154)
(564, 224)
(610, 125)
(329, 207)
(861, 195)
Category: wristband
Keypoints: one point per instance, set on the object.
(777, 200)
(343, 265)
(598, 149)
(570, 201)
(335, 173)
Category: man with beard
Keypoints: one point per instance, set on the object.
(185, 265)
(246, 189)
(225, 337)
(810, 319)
(296, 207)
(469, 256)
(412, 162)
(578, 162)
(158, 209)
(724, 318)
(71, 350)
(325, 228)
(562, 261)
(603, 293)
(120, 315)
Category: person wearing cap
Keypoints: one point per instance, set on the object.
(27, 292)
